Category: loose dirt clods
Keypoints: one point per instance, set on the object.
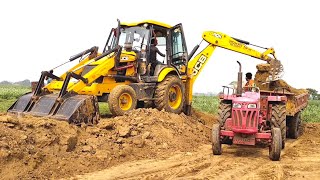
(44, 148)
(144, 144)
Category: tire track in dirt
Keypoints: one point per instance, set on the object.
(300, 159)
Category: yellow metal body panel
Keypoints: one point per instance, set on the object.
(148, 22)
(101, 70)
(195, 67)
(164, 73)
(103, 67)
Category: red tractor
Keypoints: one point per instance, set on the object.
(250, 117)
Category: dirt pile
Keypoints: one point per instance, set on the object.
(44, 148)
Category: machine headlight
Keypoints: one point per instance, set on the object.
(236, 105)
(252, 106)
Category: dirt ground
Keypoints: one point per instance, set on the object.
(144, 144)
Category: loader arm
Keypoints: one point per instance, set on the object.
(102, 69)
(217, 39)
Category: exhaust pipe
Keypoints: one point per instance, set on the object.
(239, 82)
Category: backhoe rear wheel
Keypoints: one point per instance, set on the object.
(169, 94)
(278, 120)
(122, 99)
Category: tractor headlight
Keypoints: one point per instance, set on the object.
(236, 105)
(252, 106)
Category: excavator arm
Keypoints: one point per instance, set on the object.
(217, 39)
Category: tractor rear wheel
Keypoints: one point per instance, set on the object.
(294, 126)
(122, 99)
(276, 144)
(169, 95)
(278, 120)
(215, 140)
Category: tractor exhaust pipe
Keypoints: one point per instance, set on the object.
(239, 84)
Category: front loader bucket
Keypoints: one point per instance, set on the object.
(79, 108)
(21, 104)
(44, 106)
(75, 109)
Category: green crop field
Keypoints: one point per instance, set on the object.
(9, 94)
(209, 104)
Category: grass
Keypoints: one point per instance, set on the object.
(9, 94)
(13, 92)
(104, 109)
(209, 104)
(312, 112)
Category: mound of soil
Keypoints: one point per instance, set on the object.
(44, 148)
(261, 80)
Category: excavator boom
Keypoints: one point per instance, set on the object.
(218, 39)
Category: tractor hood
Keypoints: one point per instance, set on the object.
(244, 99)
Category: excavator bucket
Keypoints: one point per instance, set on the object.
(75, 109)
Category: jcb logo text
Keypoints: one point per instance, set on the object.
(199, 64)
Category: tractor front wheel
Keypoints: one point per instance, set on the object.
(122, 99)
(276, 144)
(215, 138)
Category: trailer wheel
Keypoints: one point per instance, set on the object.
(122, 99)
(169, 95)
(216, 143)
(276, 144)
(278, 120)
(295, 126)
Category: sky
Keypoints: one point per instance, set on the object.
(38, 35)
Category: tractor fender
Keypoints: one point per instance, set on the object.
(165, 71)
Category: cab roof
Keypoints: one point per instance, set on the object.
(148, 22)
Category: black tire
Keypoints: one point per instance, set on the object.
(276, 144)
(169, 95)
(278, 120)
(294, 126)
(122, 99)
(140, 104)
(215, 140)
(224, 112)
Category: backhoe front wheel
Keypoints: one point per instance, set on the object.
(169, 95)
(122, 99)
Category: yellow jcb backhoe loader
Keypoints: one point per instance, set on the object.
(122, 76)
